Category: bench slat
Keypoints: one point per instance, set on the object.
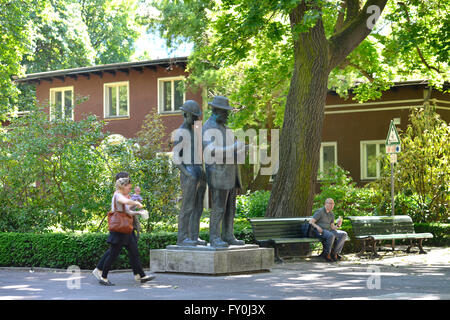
(386, 228)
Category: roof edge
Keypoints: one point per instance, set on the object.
(101, 68)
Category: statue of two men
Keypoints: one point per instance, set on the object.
(221, 174)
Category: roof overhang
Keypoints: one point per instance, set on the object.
(113, 68)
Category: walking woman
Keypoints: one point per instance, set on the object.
(121, 200)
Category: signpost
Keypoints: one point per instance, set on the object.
(393, 146)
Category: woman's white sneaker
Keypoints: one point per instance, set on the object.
(97, 274)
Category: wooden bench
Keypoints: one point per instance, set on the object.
(272, 232)
(374, 229)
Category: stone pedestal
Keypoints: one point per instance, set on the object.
(210, 260)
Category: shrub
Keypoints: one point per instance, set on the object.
(59, 175)
(51, 173)
(252, 204)
(349, 199)
(422, 172)
(60, 250)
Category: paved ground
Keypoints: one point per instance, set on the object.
(395, 276)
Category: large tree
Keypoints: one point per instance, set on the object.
(323, 43)
(44, 35)
(13, 34)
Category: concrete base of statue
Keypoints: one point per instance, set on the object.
(210, 260)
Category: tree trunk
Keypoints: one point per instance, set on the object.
(293, 190)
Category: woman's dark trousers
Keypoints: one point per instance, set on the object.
(114, 251)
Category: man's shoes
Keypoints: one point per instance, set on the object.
(187, 243)
(106, 282)
(97, 274)
(335, 256)
(328, 258)
(218, 243)
(234, 242)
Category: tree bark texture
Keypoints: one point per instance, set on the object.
(293, 190)
(315, 56)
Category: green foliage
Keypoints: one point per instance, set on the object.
(157, 177)
(422, 174)
(59, 174)
(252, 204)
(61, 250)
(51, 173)
(44, 35)
(14, 32)
(349, 199)
(418, 45)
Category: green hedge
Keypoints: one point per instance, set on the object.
(60, 250)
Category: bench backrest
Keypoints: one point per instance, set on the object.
(272, 228)
(381, 225)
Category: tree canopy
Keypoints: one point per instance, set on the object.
(44, 35)
(243, 49)
(276, 59)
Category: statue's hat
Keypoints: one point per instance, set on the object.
(221, 103)
(192, 107)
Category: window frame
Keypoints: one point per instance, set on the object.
(51, 95)
(321, 163)
(161, 96)
(363, 157)
(117, 84)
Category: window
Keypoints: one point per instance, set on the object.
(116, 99)
(371, 151)
(328, 157)
(170, 94)
(61, 103)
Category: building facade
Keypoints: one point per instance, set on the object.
(354, 133)
(123, 94)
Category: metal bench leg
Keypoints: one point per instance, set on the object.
(411, 244)
(363, 249)
(277, 257)
(420, 247)
(374, 249)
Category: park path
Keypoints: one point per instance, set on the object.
(396, 276)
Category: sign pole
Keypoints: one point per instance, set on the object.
(392, 189)
(393, 147)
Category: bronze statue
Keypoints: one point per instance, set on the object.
(192, 178)
(222, 173)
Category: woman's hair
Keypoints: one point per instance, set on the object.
(122, 174)
(122, 182)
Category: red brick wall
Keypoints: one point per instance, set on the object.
(143, 97)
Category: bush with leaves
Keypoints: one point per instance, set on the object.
(51, 173)
(252, 204)
(422, 174)
(59, 175)
(349, 199)
(154, 173)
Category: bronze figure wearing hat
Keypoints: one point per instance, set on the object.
(223, 178)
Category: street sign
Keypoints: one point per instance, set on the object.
(393, 158)
(392, 138)
(393, 149)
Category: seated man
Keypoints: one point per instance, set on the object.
(325, 229)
